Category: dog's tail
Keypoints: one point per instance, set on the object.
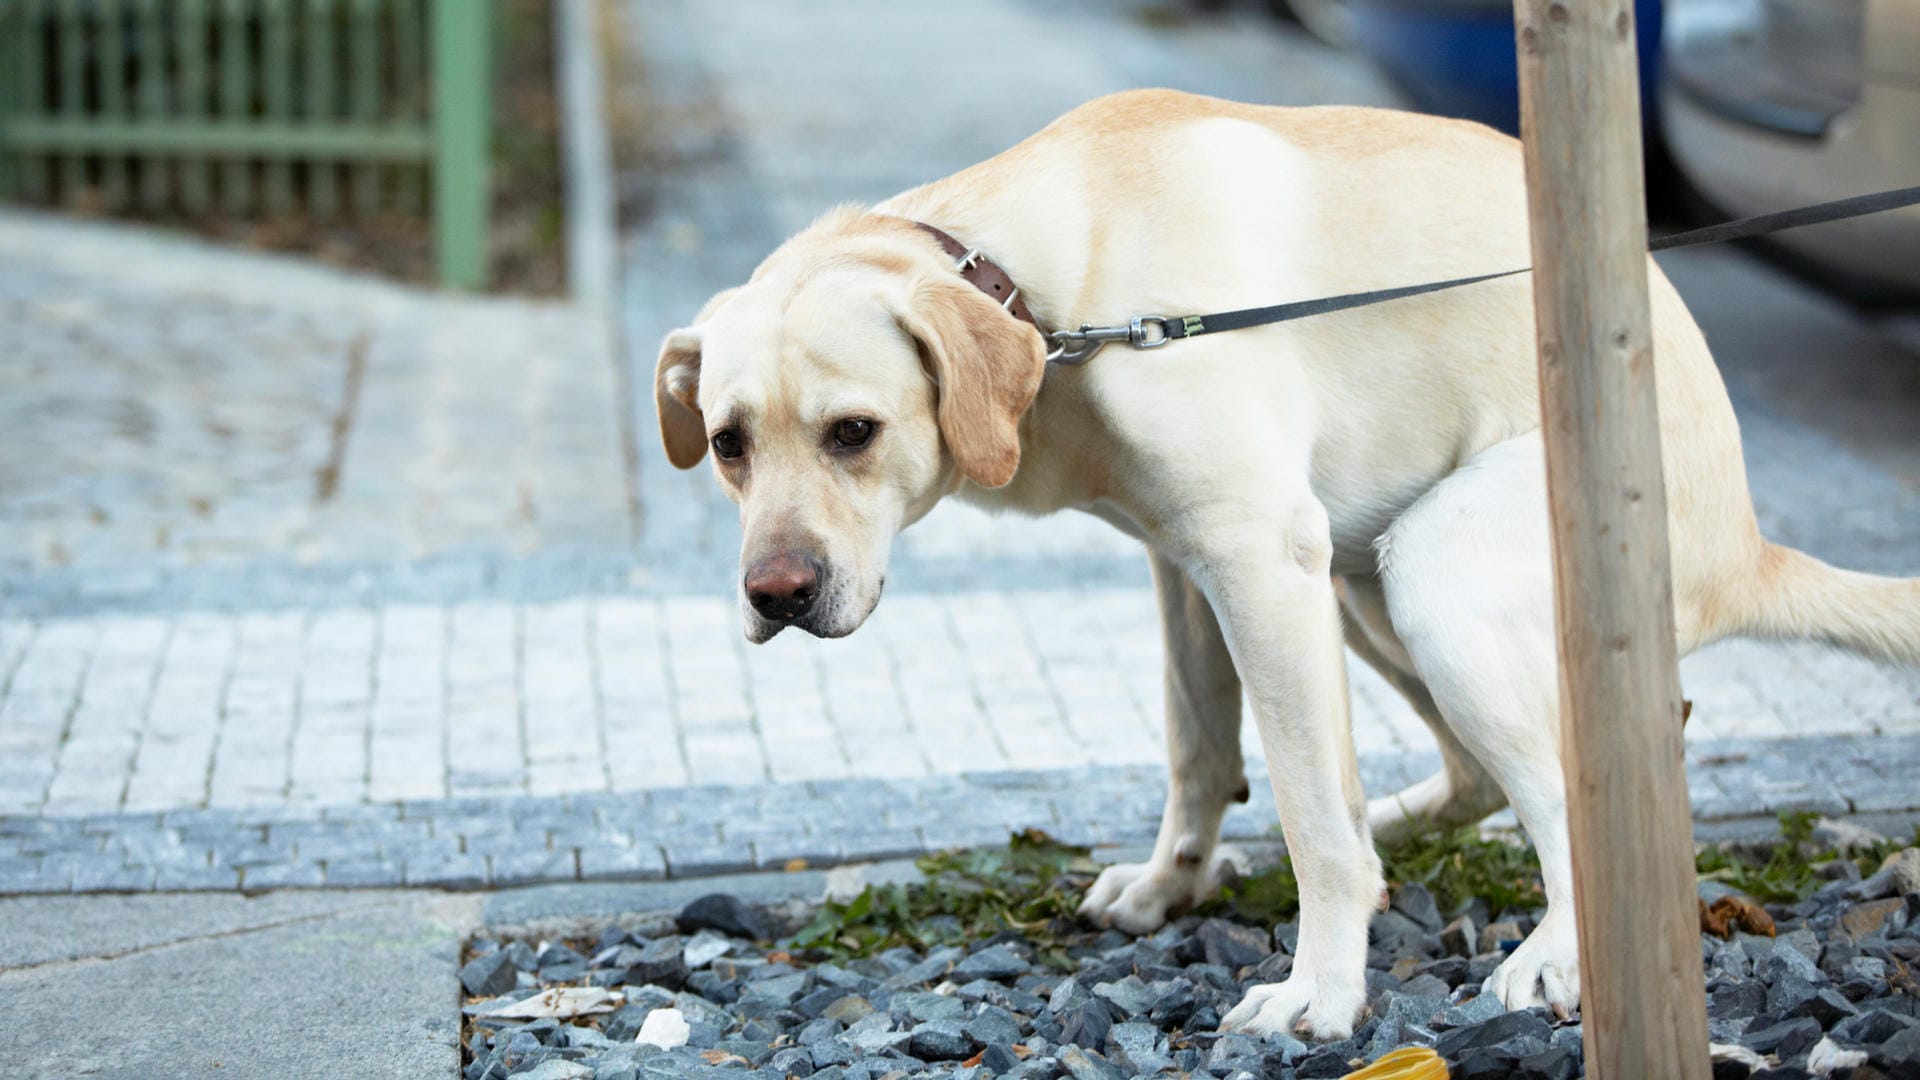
(1798, 596)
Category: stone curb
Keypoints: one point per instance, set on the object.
(494, 842)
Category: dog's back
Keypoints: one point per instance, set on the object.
(1361, 198)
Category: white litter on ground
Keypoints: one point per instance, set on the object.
(664, 1028)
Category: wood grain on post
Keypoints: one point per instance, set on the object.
(1643, 999)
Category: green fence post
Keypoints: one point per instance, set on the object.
(321, 109)
(191, 106)
(462, 89)
(8, 49)
(411, 103)
(156, 171)
(112, 100)
(277, 65)
(73, 57)
(236, 102)
(363, 97)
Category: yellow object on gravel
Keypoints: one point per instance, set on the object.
(1406, 1063)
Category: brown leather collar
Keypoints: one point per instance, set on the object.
(985, 274)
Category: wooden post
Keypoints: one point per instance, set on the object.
(1631, 825)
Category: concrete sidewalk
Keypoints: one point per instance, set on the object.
(118, 988)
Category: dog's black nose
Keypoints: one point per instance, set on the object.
(782, 587)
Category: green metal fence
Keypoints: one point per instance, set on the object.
(253, 108)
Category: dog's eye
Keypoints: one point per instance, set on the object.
(726, 445)
(853, 434)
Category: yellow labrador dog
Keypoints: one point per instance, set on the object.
(1386, 460)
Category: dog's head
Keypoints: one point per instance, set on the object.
(849, 385)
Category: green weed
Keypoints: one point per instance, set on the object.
(1460, 865)
(1032, 885)
(1455, 865)
(1791, 867)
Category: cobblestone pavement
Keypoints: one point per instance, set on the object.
(418, 634)
(307, 709)
(174, 417)
(697, 831)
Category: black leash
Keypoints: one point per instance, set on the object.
(1153, 331)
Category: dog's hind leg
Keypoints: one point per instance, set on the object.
(1206, 771)
(1462, 792)
(1469, 588)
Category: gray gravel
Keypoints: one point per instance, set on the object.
(1836, 978)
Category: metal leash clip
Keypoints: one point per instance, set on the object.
(1078, 346)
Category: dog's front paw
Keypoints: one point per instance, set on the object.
(1544, 970)
(1132, 896)
(1137, 897)
(1309, 1006)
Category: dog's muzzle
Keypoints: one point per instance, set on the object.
(783, 587)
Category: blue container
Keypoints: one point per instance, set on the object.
(1456, 57)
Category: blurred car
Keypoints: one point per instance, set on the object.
(1773, 104)
(1456, 57)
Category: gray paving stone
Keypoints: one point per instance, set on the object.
(778, 831)
(19, 866)
(472, 806)
(772, 854)
(959, 834)
(103, 876)
(413, 848)
(863, 845)
(282, 875)
(452, 871)
(43, 880)
(1726, 807)
(363, 813)
(247, 849)
(588, 837)
(529, 867)
(363, 873)
(346, 844)
(176, 878)
(638, 863)
(1816, 796)
(696, 858)
(1888, 795)
(154, 845)
(24, 826)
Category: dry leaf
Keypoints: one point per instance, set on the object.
(562, 1003)
(1729, 913)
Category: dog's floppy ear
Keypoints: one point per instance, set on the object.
(676, 389)
(987, 365)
